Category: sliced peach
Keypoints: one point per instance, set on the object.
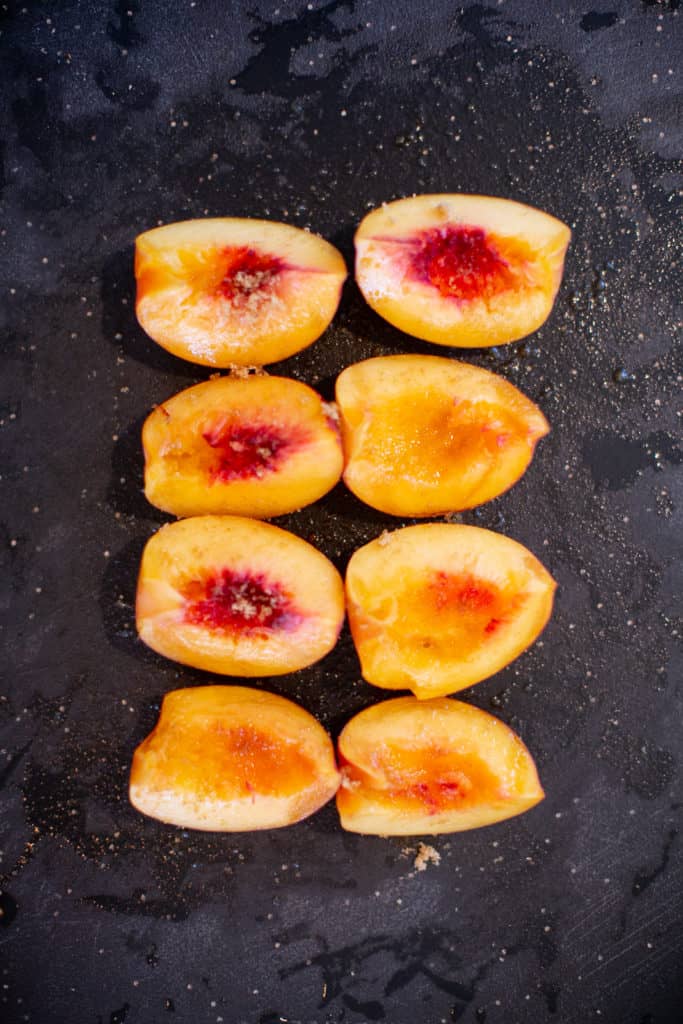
(461, 270)
(237, 597)
(257, 446)
(424, 435)
(438, 607)
(232, 759)
(233, 290)
(413, 767)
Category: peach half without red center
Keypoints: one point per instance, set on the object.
(238, 602)
(461, 262)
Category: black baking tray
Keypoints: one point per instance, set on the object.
(118, 116)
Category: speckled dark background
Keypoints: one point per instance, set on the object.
(117, 116)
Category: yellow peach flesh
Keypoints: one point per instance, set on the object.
(439, 607)
(237, 596)
(257, 446)
(414, 767)
(182, 301)
(424, 435)
(528, 243)
(230, 758)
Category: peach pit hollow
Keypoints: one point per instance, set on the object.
(248, 276)
(247, 450)
(230, 601)
(463, 262)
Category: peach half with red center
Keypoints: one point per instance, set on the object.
(232, 290)
(414, 767)
(237, 597)
(461, 270)
(438, 607)
(425, 435)
(232, 759)
(256, 446)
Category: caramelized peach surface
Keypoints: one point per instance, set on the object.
(237, 596)
(438, 607)
(231, 290)
(258, 446)
(231, 759)
(461, 270)
(414, 767)
(424, 435)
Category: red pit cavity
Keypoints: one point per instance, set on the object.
(461, 262)
(237, 602)
(248, 451)
(249, 275)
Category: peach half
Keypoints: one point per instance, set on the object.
(461, 270)
(424, 435)
(237, 596)
(257, 446)
(232, 759)
(414, 767)
(438, 607)
(230, 290)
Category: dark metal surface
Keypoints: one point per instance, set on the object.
(118, 116)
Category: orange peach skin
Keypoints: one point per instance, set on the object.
(232, 759)
(414, 767)
(438, 607)
(182, 566)
(180, 268)
(425, 436)
(532, 243)
(183, 470)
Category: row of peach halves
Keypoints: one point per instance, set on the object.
(432, 608)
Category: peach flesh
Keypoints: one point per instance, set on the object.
(461, 262)
(424, 435)
(436, 608)
(237, 596)
(248, 273)
(235, 602)
(478, 606)
(250, 450)
(412, 767)
(430, 779)
(245, 760)
(232, 759)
